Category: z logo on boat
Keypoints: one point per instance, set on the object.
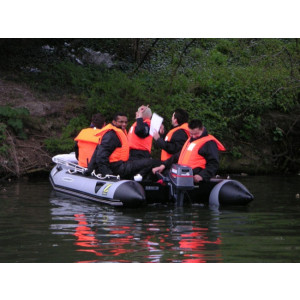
(105, 190)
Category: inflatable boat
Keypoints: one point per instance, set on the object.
(178, 186)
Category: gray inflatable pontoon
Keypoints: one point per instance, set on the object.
(67, 177)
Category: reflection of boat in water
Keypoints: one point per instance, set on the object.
(98, 233)
(156, 234)
(67, 177)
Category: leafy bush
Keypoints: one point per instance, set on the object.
(62, 76)
(228, 83)
(14, 119)
(3, 146)
(65, 143)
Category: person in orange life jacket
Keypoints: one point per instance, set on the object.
(121, 121)
(112, 153)
(139, 140)
(86, 141)
(200, 152)
(176, 137)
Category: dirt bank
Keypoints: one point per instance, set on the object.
(47, 117)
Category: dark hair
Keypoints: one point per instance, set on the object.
(116, 115)
(98, 121)
(195, 124)
(181, 116)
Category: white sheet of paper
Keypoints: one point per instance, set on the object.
(156, 121)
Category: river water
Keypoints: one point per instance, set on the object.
(38, 225)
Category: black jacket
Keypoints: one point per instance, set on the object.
(175, 144)
(142, 129)
(100, 159)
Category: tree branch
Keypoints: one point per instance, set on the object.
(145, 56)
(180, 61)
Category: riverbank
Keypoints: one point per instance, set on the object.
(246, 92)
(47, 118)
(28, 155)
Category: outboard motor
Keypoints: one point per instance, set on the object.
(181, 180)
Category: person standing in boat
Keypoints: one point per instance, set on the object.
(87, 141)
(200, 152)
(111, 156)
(176, 137)
(139, 139)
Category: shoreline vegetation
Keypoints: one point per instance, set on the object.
(246, 92)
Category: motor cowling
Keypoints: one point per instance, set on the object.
(181, 177)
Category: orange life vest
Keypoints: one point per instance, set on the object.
(189, 155)
(164, 154)
(120, 153)
(87, 143)
(138, 143)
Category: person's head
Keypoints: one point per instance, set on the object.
(146, 112)
(179, 117)
(120, 120)
(196, 128)
(98, 121)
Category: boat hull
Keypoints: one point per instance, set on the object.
(216, 192)
(112, 192)
(178, 187)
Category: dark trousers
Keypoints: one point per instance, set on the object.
(130, 168)
(138, 154)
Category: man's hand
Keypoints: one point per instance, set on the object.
(156, 135)
(139, 113)
(158, 169)
(162, 129)
(197, 178)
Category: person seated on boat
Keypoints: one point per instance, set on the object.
(112, 154)
(176, 137)
(139, 139)
(121, 121)
(86, 141)
(200, 152)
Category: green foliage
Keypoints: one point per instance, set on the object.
(65, 143)
(54, 145)
(14, 119)
(114, 92)
(62, 76)
(228, 83)
(250, 127)
(75, 125)
(278, 134)
(3, 146)
(236, 152)
(217, 57)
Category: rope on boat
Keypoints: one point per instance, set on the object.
(99, 176)
(78, 169)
